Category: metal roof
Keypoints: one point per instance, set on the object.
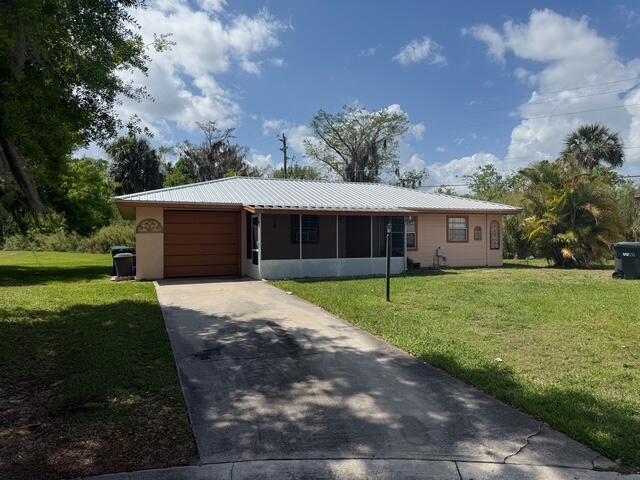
(269, 193)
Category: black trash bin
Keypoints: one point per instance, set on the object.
(121, 249)
(124, 264)
(627, 260)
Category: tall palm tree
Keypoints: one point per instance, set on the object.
(135, 166)
(574, 216)
(592, 145)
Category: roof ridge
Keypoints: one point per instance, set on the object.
(307, 180)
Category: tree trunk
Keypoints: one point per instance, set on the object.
(9, 154)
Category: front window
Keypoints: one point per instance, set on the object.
(310, 230)
(412, 238)
(457, 229)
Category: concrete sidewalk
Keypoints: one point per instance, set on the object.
(366, 469)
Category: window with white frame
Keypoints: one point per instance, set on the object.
(457, 229)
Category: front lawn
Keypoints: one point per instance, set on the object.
(87, 379)
(563, 345)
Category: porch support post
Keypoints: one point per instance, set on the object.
(300, 235)
(259, 243)
(406, 223)
(371, 236)
(337, 237)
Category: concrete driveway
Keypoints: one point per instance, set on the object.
(268, 376)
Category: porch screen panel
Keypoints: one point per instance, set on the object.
(319, 236)
(354, 236)
(277, 243)
(380, 232)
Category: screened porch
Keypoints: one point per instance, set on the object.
(300, 245)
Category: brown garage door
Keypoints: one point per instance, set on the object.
(199, 243)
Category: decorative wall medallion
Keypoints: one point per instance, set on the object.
(494, 235)
(149, 225)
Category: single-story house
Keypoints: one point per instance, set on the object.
(271, 228)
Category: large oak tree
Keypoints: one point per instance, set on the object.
(356, 144)
(60, 80)
(216, 157)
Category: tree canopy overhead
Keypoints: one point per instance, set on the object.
(573, 213)
(60, 79)
(356, 144)
(135, 165)
(299, 172)
(216, 157)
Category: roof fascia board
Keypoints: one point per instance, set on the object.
(179, 205)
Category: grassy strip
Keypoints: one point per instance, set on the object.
(87, 376)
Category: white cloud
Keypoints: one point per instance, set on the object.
(417, 130)
(578, 71)
(394, 108)
(575, 66)
(630, 17)
(416, 162)
(261, 161)
(212, 6)
(368, 52)
(296, 134)
(524, 76)
(424, 49)
(453, 172)
(272, 125)
(185, 80)
(490, 36)
(441, 149)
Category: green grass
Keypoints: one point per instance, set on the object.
(569, 340)
(87, 378)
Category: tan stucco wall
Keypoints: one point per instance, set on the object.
(149, 246)
(432, 233)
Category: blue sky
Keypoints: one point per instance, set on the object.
(482, 82)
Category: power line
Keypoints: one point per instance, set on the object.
(502, 98)
(550, 101)
(536, 117)
(468, 184)
(537, 157)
